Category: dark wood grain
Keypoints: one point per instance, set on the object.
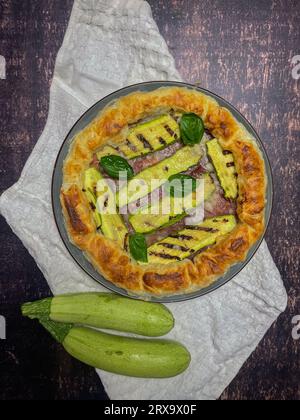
(242, 52)
(32, 366)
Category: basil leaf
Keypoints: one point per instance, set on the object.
(191, 129)
(113, 165)
(138, 247)
(186, 185)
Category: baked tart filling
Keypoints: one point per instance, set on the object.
(164, 191)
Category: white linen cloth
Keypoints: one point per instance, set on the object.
(110, 44)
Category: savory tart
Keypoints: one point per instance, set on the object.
(116, 214)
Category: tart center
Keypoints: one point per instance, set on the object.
(167, 192)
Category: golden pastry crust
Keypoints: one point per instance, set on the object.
(113, 262)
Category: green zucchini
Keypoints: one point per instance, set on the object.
(190, 240)
(150, 137)
(91, 178)
(106, 151)
(223, 163)
(112, 225)
(104, 310)
(121, 355)
(127, 356)
(153, 217)
(142, 184)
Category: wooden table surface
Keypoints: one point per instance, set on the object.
(239, 49)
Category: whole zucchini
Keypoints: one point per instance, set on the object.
(104, 310)
(121, 355)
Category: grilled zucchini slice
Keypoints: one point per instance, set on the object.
(190, 240)
(225, 168)
(155, 216)
(112, 225)
(91, 178)
(142, 184)
(150, 137)
(106, 151)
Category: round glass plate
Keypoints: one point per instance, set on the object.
(78, 255)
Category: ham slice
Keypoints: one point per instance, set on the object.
(143, 162)
(140, 163)
(218, 205)
(197, 171)
(163, 233)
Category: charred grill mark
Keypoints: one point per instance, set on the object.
(93, 207)
(224, 221)
(145, 142)
(175, 247)
(162, 141)
(165, 256)
(182, 237)
(230, 164)
(208, 133)
(106, 201)
(170, 131)
(204, 229)
(227, 152)
(173, 115)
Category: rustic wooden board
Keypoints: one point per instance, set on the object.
(239, 50)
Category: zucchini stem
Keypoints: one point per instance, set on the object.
(41, 310)
(58, 331)
(37, 310)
